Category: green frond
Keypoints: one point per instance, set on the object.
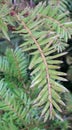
(49, 26)
(39, 40)
(40, 80)
(16, 106)
(3, 24)
(14, 64)
(45, 32)
(63, 5)
(66, 5)
(17, 109)
(7, 125)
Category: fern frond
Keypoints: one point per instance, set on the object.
(38, 40)
(63, 5)
(7, 125)
(14, 64)
(52, 24)
(57, 22)
(17, 106)
(66, 5)
(5, 20)
(3, 24)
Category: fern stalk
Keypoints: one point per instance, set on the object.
(44, 60)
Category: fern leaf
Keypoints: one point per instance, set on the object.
(43, 57)
(14, 64)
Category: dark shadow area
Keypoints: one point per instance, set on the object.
(67, 66)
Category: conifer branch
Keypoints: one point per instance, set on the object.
(44, 60)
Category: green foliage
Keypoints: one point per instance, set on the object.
(68, 98)
(14, 65)
(56, 124)
(14, 102)
(41, 38)
(5, 19)
(68, 5)
(63, 6)
(30, 79)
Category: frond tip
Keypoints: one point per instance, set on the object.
(48, 97)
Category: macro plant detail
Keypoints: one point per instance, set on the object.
(30, 76)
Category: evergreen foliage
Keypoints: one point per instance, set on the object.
(30, 78)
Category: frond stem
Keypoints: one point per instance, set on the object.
(44, 60)
(54, 20)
